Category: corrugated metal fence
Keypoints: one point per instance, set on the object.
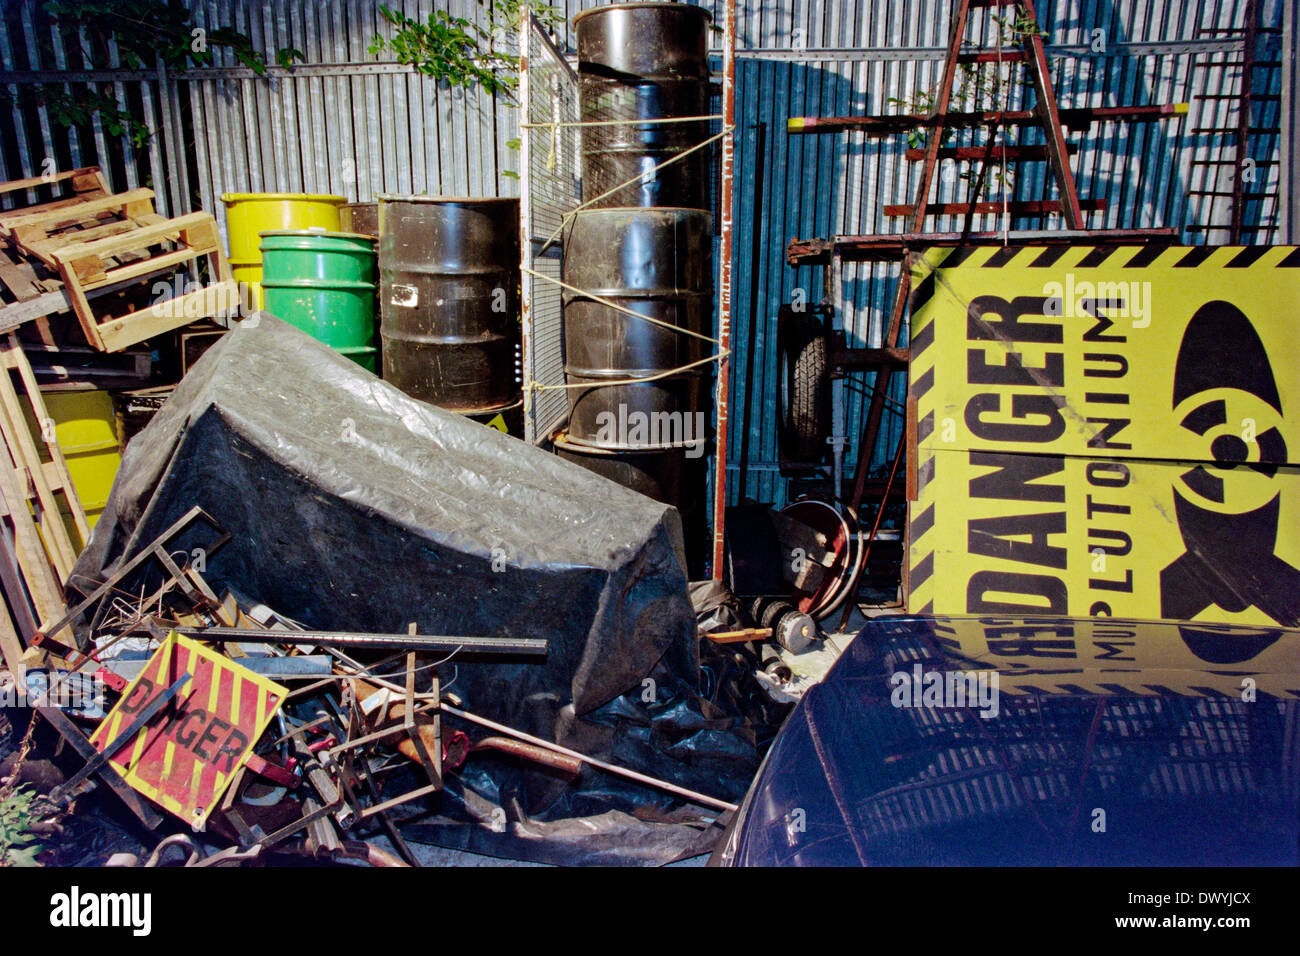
(345, 122)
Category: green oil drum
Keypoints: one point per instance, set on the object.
(324, 283)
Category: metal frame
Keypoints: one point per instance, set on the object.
(1289, 191)
(541, 331)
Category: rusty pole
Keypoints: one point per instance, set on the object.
(724, 282)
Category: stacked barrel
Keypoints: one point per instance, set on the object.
(639, 252)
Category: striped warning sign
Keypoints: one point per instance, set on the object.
(1106, 431)
(185, 756)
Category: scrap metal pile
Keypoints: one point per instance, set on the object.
(316, 603)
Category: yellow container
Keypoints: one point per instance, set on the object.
(248, 214)
(84, 424)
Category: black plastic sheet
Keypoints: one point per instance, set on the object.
(354, 507)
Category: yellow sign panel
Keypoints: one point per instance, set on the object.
(1115, 656)
(187, 754)
(1107, 431)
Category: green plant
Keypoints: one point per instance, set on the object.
(145, 29)
(459, 51)
(920, 103)
(19, 846)
(977, 88)
(142, 31)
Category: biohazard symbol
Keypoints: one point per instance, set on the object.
(1222, 378)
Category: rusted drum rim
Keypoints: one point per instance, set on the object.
(646, 4)
(394, 197)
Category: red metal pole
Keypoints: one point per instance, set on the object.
(724, 283)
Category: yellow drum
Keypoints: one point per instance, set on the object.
(84, 427)
(249, 214)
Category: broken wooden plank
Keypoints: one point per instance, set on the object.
(26, 226)
(13, 357)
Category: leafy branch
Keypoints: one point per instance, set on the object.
(461, 52)
(19, 844)
(141, 31)
(974, 87)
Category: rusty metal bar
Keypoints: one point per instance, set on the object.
(420, 642)
(875, 525)
(1045, 108)
(602, 765)
(893, 246)
(1020, 207)
(1243, 125)
(727, 227)
(887, 124)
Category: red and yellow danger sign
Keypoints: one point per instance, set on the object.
(185, 756)
(1106, 432)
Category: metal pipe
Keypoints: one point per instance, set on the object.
(601, 764)
(755, 254)
(726, 185)
(364, 641)
(517, 748)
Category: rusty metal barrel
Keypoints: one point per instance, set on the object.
(449, 300)
(653, 263)
(644, 61)
(362, 217)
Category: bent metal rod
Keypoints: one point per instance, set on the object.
(364, 641)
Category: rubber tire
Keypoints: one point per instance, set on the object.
(805, 401)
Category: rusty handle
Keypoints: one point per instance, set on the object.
(517, 748)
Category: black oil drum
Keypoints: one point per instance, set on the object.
(644, 61)
(360, 217)
(449, 300)
(508, 420)
(656, 263)
(655, 474)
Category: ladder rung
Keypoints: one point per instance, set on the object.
(1075, 118)
(1261, 228)
(1231, 162)
(1263, 97)
(992, 56)
(916, 154)
(1228, 194)
(1253, 131)
(1031, 207)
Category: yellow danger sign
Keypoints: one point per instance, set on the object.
(1106, 431)
(185, 756)
(1116, 656)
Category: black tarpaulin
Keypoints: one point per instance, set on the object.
(355, 507)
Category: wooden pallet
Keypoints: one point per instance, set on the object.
(85, 183)
(59, 255)
(39, 234)
(88, 265)
(46, 475)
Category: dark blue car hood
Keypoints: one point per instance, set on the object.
(1113, 743)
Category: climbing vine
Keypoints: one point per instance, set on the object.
(975, 87)
(462, 52)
